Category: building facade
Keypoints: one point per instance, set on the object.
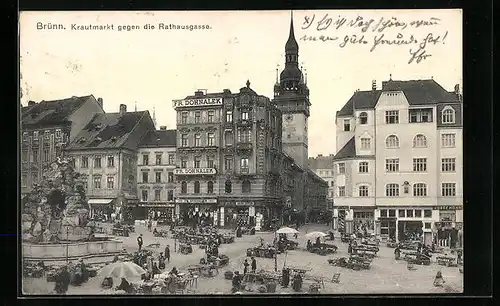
(398, 170)
(46, 127)
(322, 166)
(156, 164)
(105, 153)
(228, 154)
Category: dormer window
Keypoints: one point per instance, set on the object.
(448, 115)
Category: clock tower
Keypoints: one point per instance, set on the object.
(292, 98)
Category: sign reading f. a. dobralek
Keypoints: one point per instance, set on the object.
(197, 102)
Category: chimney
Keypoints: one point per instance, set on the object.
(457, 89)
(123, 109)
(226, 91)
(332, 155)
(374, 85)
(30, 103)
(320, 155)
(99, 101)
(163, 128)
(198, 93)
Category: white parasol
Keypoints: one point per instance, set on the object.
(122, 269)
(287, 230)
(314, 235)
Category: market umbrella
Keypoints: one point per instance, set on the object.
(287, 230)
(122, 269)
(314, 235)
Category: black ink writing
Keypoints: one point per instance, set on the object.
(399, 40)
(353, 39)
(393, 22)
(324, 23)
(307, 22)
(418, 56)
(322, 38)
(419, 23)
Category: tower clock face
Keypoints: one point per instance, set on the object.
(289, 118)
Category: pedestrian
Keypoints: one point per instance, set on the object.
(254, 265)
(150, 223)
(140, 242)
(245, 264)
(167, 253)
(63, 278)
(349, 248)
(161, 261)
(439, 280)
(397, 253)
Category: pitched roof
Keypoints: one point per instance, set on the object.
(316, 177)
(51, 112)
(320, 162)
(417, 92)
(107, 131)
(159, 138)
(349, 150)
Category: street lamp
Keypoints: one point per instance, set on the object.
(275, 253)
(67, 244)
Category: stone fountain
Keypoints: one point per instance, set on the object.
(55, 223)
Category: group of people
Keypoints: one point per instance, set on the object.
(238, 278)
(70, 274)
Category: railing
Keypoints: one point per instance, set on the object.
(244, 145)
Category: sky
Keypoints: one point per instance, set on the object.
(151, 67)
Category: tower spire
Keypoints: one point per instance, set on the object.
(154, 116)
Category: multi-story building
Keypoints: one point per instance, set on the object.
(399, 161)
(105, 153)
(229, 150)
(46, 127)
(323, 167)
(155, 175)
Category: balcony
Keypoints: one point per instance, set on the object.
(244, 146)
(244, 122)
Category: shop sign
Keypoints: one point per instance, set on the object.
(454, 207)
(245, 203)
(196, 201)
(197, 102)
(157, 205)
(195, 171)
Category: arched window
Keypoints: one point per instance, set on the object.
(196, 187)
(228, 186)
(419, 190)
(392, 141)
(392, 190)
(184, 187)
(448, 115)
(419, 141)
(246, 186)
(210, 187)
(363, 118)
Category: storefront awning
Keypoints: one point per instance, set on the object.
(99, 201)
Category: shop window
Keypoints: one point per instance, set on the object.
(401, 213)
(392, 213)
(384, 228)
(210, 187)
(196, 187)
(228, 187)
(427, 225)
(383, 213)
(184, 187)
(409, 213)
(418, 213)
(427, 213)
(246, 186)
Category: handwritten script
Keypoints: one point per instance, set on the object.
(416, 35)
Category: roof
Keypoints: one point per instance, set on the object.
(321, 162)
(291, 44)
(417, 92)
(107, 130)
(52, 112)
(349, 150)
(208, 95)
(159, 138)
(316, 177)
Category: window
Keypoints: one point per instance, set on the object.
(244, 165)
(341, 191)
(210, 162)
(197, 117)
(420, 164)
(347, 125)
(197, 140)
(448, 189)
(383, 213)
(392, 190)
(418, 213)
(34, 177)
(145, 177)
(157, 195)
(171, 159)
(363, 118)
(331, 183)
(392, 165)
(420, 115)
(246, 186)
(419, 190)
(183, 163)
(210, 187)
(34, 154)
(448, 140)
(392, 141)
(184, 140)
(229, 138)
(228, 163)
(228, 187)
(170, 177)
(419, 141)
(111, 161)
(392, 117)
(244, 136)
(58, 133)
(210, 116)
(401, 213)
(111, 182)
(24, 156)
(46, 135)
(448, 115)
(341, 168)
(363, 191)
(448, 165)
(196, 187)
(210, 139)
(392, 213)
(406, 187)
(365, 143)
(24, 180)
(170, 195)
(427, 213)
(184, 187)
(409, 213)
(197, 162)
(229, 116)
(158, 177)
(46, 155)
(25, 136)
(97, 182)
(97, 162)
(363, 167)
(158, 159)
(244, 115)
(145, 160)
(85, 162)
(184, 117)
(427, 225)
(35, 135)
(144, 195)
